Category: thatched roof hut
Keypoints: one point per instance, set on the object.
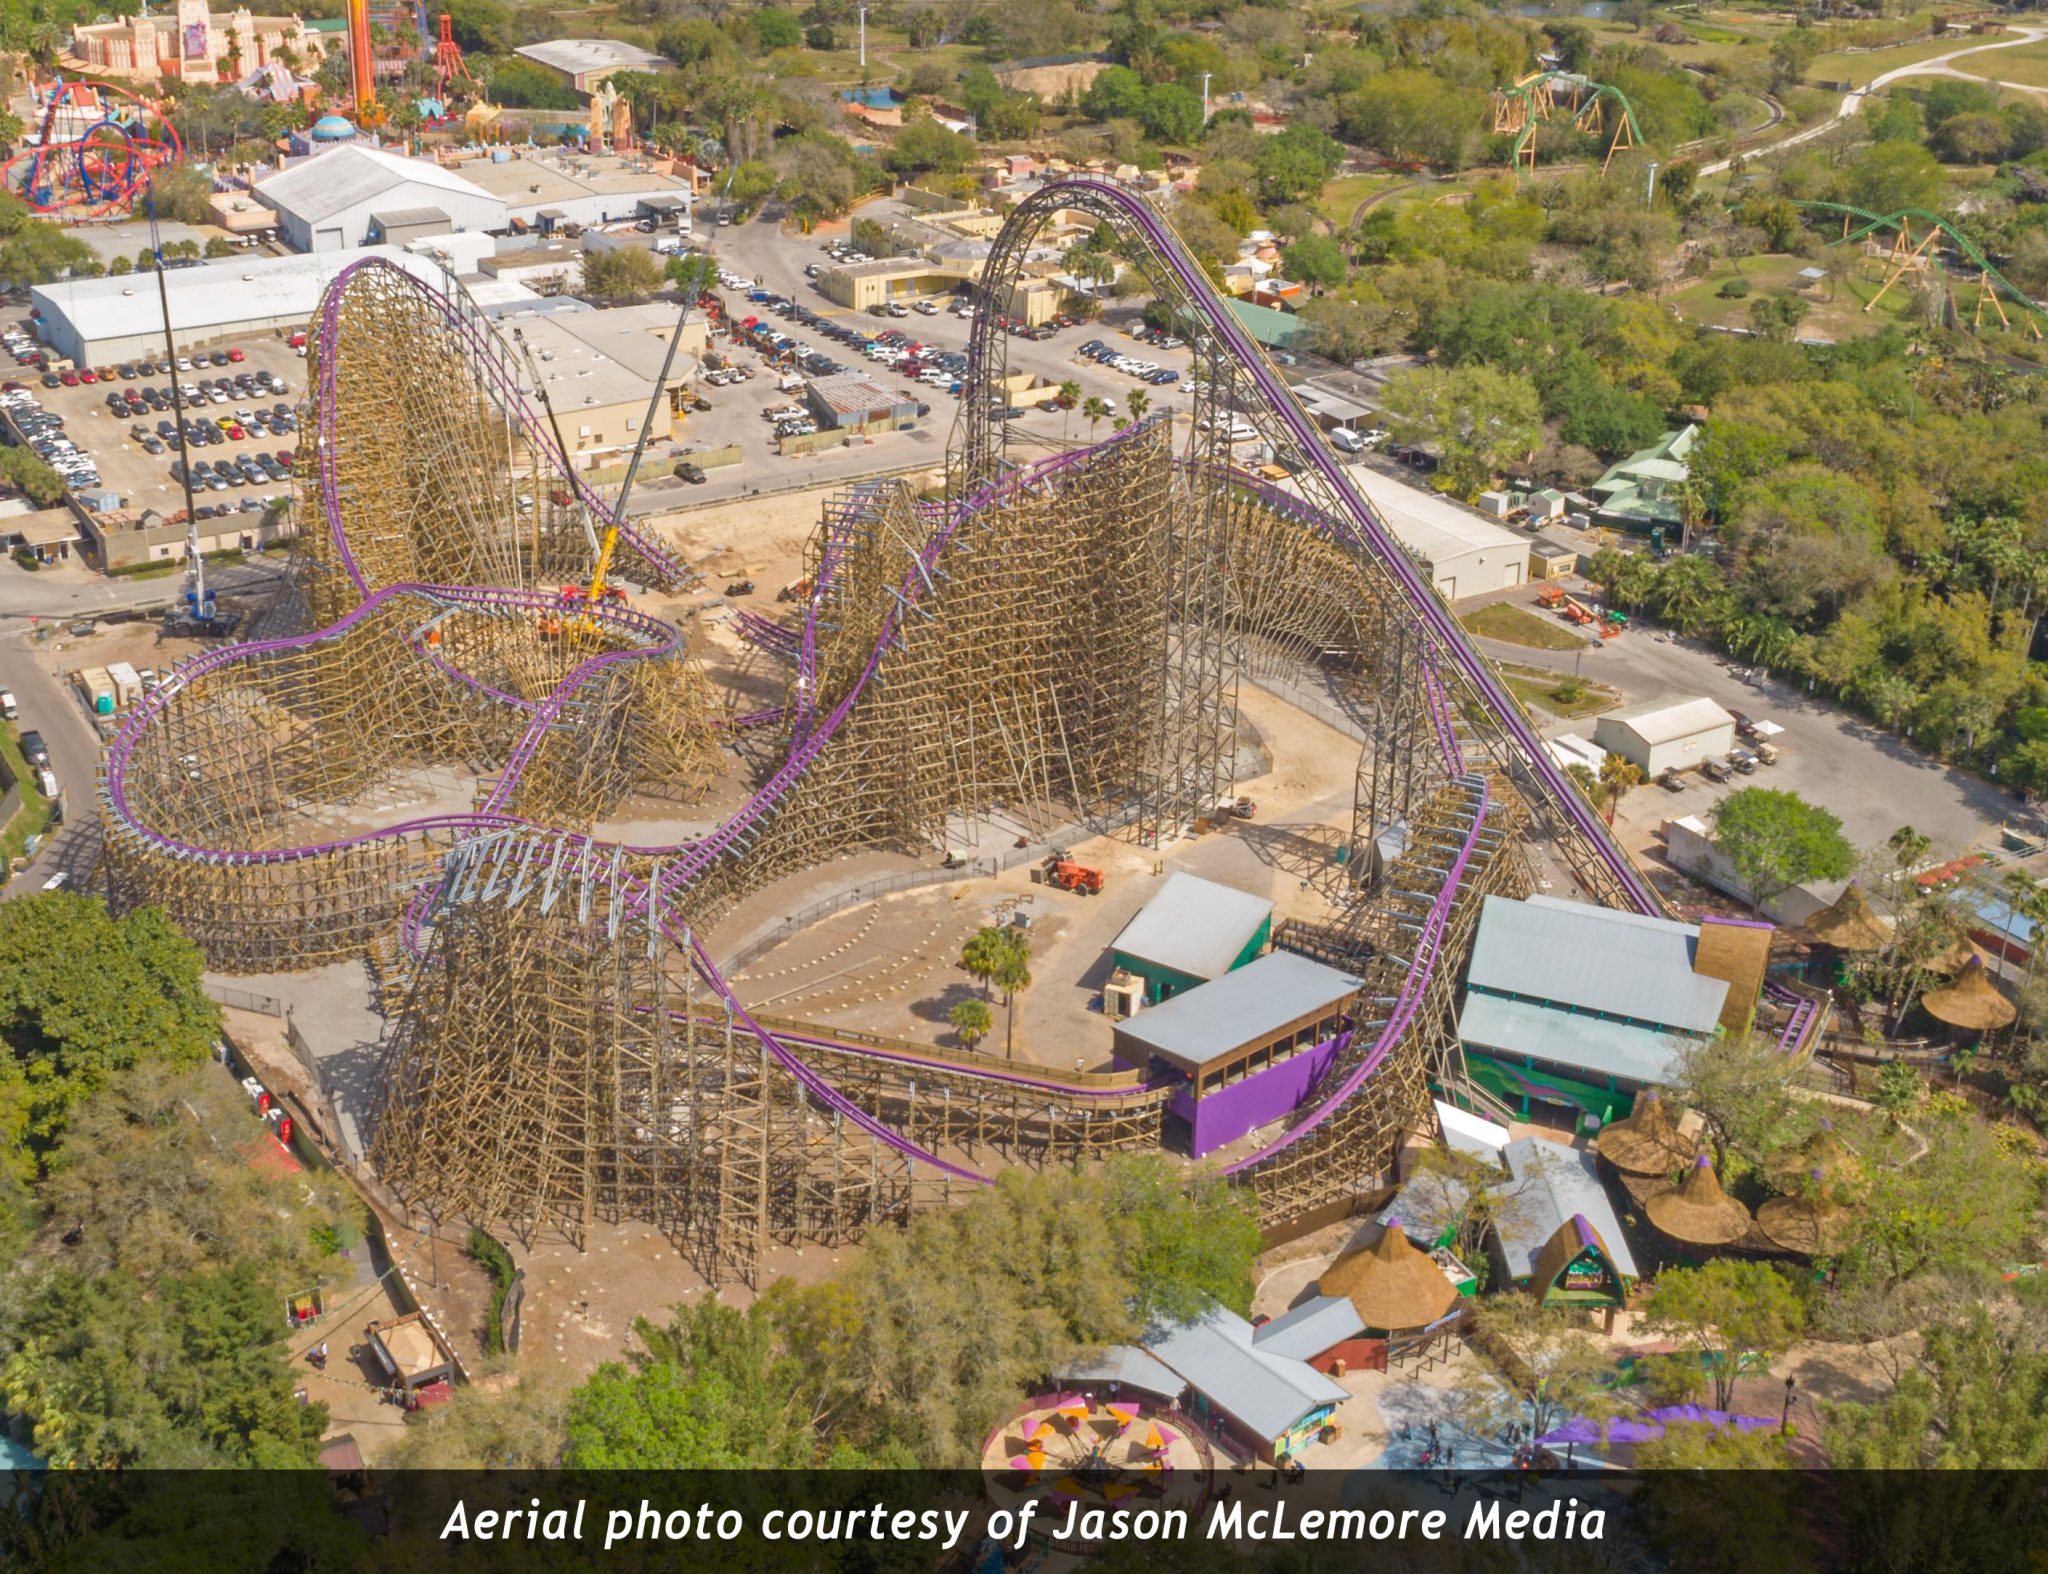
(1697, 1212)
(1849, 924)
(1818, 1165)
(1805, 1225)
(1648, 1142)
(1391, 1285)
(1971, 1003)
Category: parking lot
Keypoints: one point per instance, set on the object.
(240, 400)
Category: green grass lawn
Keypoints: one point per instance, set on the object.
(2023, 63)
(1342, 196)
(35, 808)
(1856, 281)
(1519, 626)
(1532, 686)
(1860, 68)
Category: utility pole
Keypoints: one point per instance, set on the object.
(1650, 196)
(863, 38)
(1205, 96)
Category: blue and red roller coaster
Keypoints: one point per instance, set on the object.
(93, 155)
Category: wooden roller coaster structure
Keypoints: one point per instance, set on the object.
(425, 769)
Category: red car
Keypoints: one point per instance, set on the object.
(236, 355)
(88, 375)
(234, 434)
(72, 379)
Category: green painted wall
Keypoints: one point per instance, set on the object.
(1509, 1083)
(1163, 983)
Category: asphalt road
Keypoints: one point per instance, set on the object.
(58, 596)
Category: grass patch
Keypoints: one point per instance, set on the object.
(1559, 693)
(1860, 68)
(2026, 64)
(491, 1256)
(34, 815)
(1840, 318)
(1519, 626)
(1341, 197)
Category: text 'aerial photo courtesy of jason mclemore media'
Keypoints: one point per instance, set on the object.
(1015, 786)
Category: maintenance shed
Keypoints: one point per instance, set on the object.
(1191, 931)
(1667, 735)
(1250, 1046)
(847, 401)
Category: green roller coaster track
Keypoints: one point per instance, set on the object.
(1859, 222)
(1533, 101)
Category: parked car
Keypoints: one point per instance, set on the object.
(694, 474)
(33, 749)
(1714, 770)
(740, 587)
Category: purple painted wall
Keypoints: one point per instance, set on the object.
(1229, 1113)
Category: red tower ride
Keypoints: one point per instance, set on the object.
(448, 62)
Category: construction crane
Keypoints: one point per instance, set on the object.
(198, 599)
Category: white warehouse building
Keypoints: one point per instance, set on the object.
(357, 196)
(97, 321)
(1463, 553)
(1668, 734)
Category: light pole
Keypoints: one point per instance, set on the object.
(1205, 96)
(1650, 196)
(863, 38)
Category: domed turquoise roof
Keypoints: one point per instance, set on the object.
(332, 128)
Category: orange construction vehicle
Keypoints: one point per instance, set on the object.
(1063, 872)
(1550, 597)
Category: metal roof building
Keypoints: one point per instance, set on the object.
(847, 401)
(1550, 1184)
(1304, 1332)
(1568, 1004)
(1274, 1401)
(330, 202)
(1667, 735)
(94, 321)
(584, 63)
(1202, 1025)
(1191, 931)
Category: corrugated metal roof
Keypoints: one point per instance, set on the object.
(1427, 1204)
(1306, 1331)
(1667, 721)
(574, 56)
(340, 179)
(1567, 1038)
(1194, 926)
(1472, 1134)
(1596, 959)
(852, 394)
(1265, 1393)
(1548, 1184)
(406, 218)
(1213, 1019)
(1126, 1364)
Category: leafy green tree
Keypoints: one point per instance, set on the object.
(1480, 420)
(971, 1021)
(1293, 166)
(1011, 974)
(1562, 1370)
(522, 84)
(1170, 113)
(625, 273)
(1728, 1313)
(775, 28)
(1889, 176)
(1095, 410)
(1138, 403)
(925, 145)
(1617, 777)
(84, 996)
(1774, 840)
(981, 954)
(1317, 261)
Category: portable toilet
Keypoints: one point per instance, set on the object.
(98, 689)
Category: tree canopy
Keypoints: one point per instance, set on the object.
(1774, 840)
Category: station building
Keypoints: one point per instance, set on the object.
(1575, 1009)
(1250, 1046)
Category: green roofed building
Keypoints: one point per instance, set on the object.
(1276, 330)
(1642, 492)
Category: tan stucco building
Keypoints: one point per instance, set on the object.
(190, 44)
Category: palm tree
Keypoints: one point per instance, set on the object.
(1070, 393)
(1137, 401)
(1617, 776)
(1094, 411)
